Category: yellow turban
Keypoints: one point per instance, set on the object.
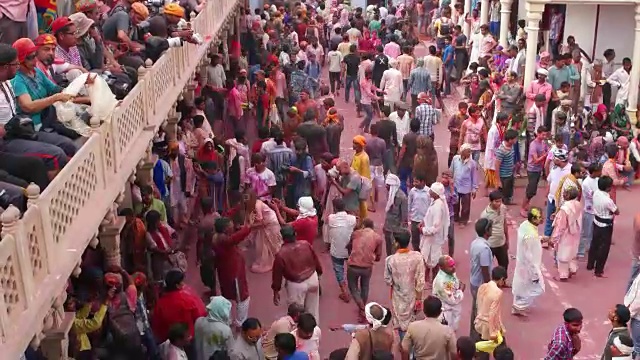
(174, 9)
(360, 140)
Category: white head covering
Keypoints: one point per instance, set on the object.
(608, 137)
(393, 63)
(375, 323)
(394, 184)
(543, 71)
(306, 208)
(438, 189)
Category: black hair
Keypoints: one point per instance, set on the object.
(307, 323)
(594, 167)
(483, 225)
(498, 273)
(623, 314)
(414, 125)
(432, 306)
(338, 204)
(206, 204)
(572, 315)
(541, 129)
(576, 169)
(605, 183)
(257, 158)
(152, 219)
(510, 134)
(466, 348)
(402, 238)
(198, 120)
(285, 342)
(495, 195)
(126, 212)
(177, 332)
(199, 101)
(288, 233)
(221, 224)
(251, 324)
(503, 353)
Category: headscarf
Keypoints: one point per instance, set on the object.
(306, 207)
(394, 184)
(139, 279)
(360, 140)
(332, 117)
(608, 138)
(438, 189)
(560, 154)
(219, 309)
(464, 147)
(375, 323)
(112, 279)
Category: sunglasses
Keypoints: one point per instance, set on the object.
(30, 57)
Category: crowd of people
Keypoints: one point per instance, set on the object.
(228, 193)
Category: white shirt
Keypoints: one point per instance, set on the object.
(603, 207)
(171, 352)
(335, 61)
(7, 102)
(555, 175)
(341, 227)
(589, 187)
(620, 78)
(284, 59)
(402, 125)
(354, 35)
(267, 176)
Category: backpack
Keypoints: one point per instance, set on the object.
(123, 326)
(365, 188)
(445, 28)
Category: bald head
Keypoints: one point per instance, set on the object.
(377, 312)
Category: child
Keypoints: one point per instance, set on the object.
(563, 92)
(262, 103)
(179, 338)
(558, 143)
(505, 165)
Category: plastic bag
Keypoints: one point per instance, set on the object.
(274, 116)
(103, 102)
(489, 346)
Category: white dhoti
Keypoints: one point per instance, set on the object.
(431, 253)
(451, 314)
(307, 294)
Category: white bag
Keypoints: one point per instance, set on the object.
(274, 116)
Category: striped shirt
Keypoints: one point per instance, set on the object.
(428, 116)
(277, 157)
(603, 207)
(505, 156)
(419, 81)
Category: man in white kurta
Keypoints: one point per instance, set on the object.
(435, 228)
(391, 84)
(528, 283)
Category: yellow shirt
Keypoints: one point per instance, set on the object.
(82, 326)
(360, 163)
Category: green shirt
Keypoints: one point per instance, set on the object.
(38, 87)
(156, 205)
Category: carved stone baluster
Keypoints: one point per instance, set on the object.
(33, 193)
(142, 70)
(10, 220)
(110, 238)
(55, 344)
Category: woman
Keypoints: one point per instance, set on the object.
(619, 122)
(212, 332)
(160, 242)
(331, 193)
(425, 162)
(265, 233)
(601, 120)
(133, 242)
(473, 132)
(485, 102)
(306, 222)
(567, 227)
(365, 44)
(510, 94)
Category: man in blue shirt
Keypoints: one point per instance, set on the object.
(286, 345)
(449, 64)
(481, 263)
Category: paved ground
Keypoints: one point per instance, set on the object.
(528, 337)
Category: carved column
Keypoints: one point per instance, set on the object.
(505, 16)
(55, 344)
(467, 26)
(484, 12)
(144, 170)
(110, 238)
(634, 81)
(534, 15)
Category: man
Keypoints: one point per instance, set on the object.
(121, 27)
(434, 228)
(388, 131)
(311, 133)
(281, 155)
(400, 119)
(448, 61)
(539, 87)
(149, 202)
(298, 264)
(230, 266)
(65, 32)
(248, 346)
(538, 151)
(204, 245)
(419, 200)
(215, 80)
(496, 213)
(433, 64)
(427, 115)
(391, 84)
(349, 186)
(589, 187)
(481, 264)
(350, 73)
(380, 65)
(495, 137)
(404, 272)
(466, 348)
(13, 20)
(333, 126)
(528, 282)
(454, 126)
(487, 43)
(621, 79)
(605, 210)
(488, 321)
(555, 33)
(341, 226)
(392, 49)
(449, 290)
(283, 325)
(558, 172)
(429, 338)
(286, 348)
(407, 153)
(518, 60)
(299, 81)
(406, 63)
(365, 248)
(419, 82)
(607, 70)
(165, 24)
(505, 165)
(619, 317)
(565, 342)
(374, 338)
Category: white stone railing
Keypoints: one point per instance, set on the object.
(40, 250)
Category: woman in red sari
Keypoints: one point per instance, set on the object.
(160, 242)
(365, 44)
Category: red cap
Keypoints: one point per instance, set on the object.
(45, 39)
(59, 23)
(24, 47)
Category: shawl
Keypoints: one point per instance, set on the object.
(394, 184)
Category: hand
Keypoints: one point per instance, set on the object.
(111, 293)
(90, 80)
(506, 245)
(463, 286)
(418, 305)
(276, 298)
(473, 195)
(135, 47)
(499, 184)
(62, 97)
(334, 328)
(494, 338)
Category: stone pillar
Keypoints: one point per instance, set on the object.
(634, 80)
(505, 16)
(110, 239)
(144, 170)
(171, 127)
(534, 15)
(453, 6)
(484, 12)
(467, 12)
(55, 344)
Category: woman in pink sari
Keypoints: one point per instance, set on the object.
(567, 226)
(265, 233)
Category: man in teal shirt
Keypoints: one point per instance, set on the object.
(560, 72)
